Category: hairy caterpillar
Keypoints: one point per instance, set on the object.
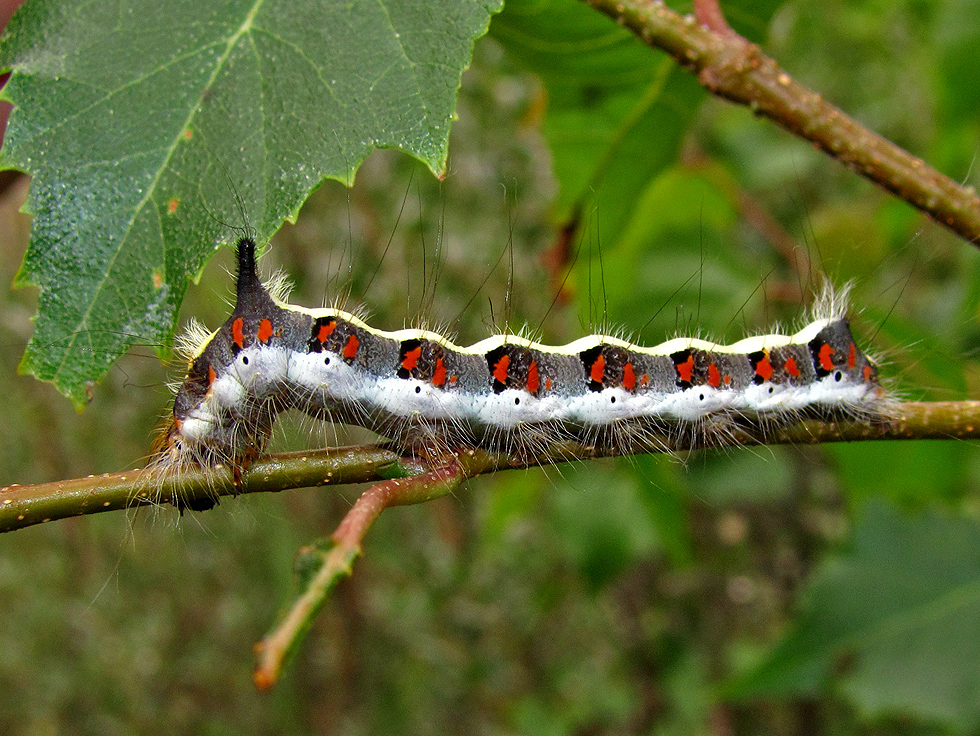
(504, 394)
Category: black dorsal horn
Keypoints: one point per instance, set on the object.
(252, 298)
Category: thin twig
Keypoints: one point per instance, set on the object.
(321, 566)
(22, 506)
(731, 67)
(401, 481)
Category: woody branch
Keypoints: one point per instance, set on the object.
(731, 67)
(22, 506)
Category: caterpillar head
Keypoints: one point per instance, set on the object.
(225, 406)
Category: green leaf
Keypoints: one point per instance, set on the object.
(604, 539)
(904, 605)
(617, 109)
(139, 134)
(956, 42)
(907, 473)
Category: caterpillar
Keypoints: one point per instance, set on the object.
(505, 393)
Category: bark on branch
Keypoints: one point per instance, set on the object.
(731, 67)
(22, 506)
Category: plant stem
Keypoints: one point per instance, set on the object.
(22, 506)
(731, 67)
(322, 566)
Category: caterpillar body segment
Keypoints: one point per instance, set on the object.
(505, 393)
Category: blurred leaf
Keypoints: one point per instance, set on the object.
(677, 199)
(727, 478)
(509, 502)
(957, 42)
(617, 109)
(751, 17)
(140, 137)
(609, 144)
(675, 269)
(896, 470)
(904, 605)
(602, 521)
(849, 238)
(934, 371)
(692, 699)
(664, 494)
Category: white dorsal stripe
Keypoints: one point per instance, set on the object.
(746, 345)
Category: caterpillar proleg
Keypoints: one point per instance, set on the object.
(504, 394)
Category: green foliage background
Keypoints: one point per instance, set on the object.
(782, 590)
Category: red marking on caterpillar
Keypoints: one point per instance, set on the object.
(790, 366)
(500, 369)
(598, 369)
(629, 377)
(265, 331)
(533, 379)
(684, 365)
(411, 359)
(350, 348)
(439, 375)
(325, 329)
(763, 367)
(237, 336)
(826, 358)
(172, 206)
(505, 393)
(714, 377)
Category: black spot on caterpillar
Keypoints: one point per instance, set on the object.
(505, 393)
